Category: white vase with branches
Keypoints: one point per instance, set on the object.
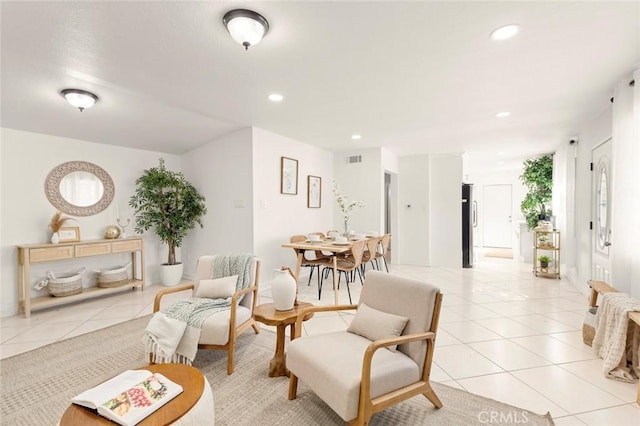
(346, 207)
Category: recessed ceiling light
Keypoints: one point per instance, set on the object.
(504, 32)
(276, 97)
(503, 114)
(356, 137)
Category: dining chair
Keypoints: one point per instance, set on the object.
(348, 266)
(385, 241)
(369, 255)
(310, 262)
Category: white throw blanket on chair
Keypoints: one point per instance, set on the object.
(172, 335)
(617, 339)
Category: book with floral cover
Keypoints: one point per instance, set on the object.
(129, 397)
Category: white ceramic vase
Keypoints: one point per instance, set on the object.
(283, 290)
(55, 238)
(170, 275)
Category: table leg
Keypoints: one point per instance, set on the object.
(335, 279)
(292, 331)
(298, 265)
(278, 364)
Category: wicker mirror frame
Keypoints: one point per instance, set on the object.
(55, 176)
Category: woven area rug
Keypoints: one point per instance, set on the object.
(36, 386)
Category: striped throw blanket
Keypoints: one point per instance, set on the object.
(172, 335)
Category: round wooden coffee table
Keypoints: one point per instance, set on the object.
(267, 314)
(191, 380)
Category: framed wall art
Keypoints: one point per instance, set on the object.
(69, 234)
(288, 176)
(314, 192)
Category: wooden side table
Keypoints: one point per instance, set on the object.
(191, 380)
(267, 314)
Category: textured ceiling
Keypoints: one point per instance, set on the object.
(415, 77)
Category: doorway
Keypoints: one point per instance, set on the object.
(496, 221)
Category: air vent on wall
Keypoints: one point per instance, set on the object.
(354, 159)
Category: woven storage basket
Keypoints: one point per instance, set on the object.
(65, 284)
(113, 277)
(588, 329)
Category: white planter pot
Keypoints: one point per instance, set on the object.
(283, 290)
(170, 275)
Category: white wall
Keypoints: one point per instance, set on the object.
(445, 210)
(26, 160)
(518, 191)
(278, 216)
(362, 182)
(597, 131)
(625, 187)
(222, 171)
(621, 122)
(413, 212)
(563, 202)
(391, 165)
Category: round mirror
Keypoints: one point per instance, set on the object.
(602, 212)
(79, 188)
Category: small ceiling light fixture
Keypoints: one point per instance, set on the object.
(245, 26)
(503, 114)
(356, 137)
(80, 99)
(276, 97)
(504, 32)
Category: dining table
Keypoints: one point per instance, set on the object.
(326, 246)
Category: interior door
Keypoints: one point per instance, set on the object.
(497, 216)
(601, 212)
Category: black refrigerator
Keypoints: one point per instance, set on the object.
(467, 225)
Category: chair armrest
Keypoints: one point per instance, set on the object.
(161, 293)
(365, 381)
(398, 341)
(311, 309)
(234, 297)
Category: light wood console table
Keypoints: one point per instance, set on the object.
(39, 253)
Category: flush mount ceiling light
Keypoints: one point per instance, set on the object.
(276, 97)
(503, 114)
(504, 32)
(245, 26)
(80, 99)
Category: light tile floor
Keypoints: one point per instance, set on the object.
(503, 334)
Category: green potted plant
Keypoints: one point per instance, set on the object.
(167, 203)
(544, 262)
(537, 176)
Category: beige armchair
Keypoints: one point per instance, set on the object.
(348, 377)
(220, 330)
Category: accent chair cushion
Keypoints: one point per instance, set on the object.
(215, 329)
(217, 288)
(375, 325)
(331, 365)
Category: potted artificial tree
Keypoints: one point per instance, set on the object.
(165, 201)
(537, 176)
